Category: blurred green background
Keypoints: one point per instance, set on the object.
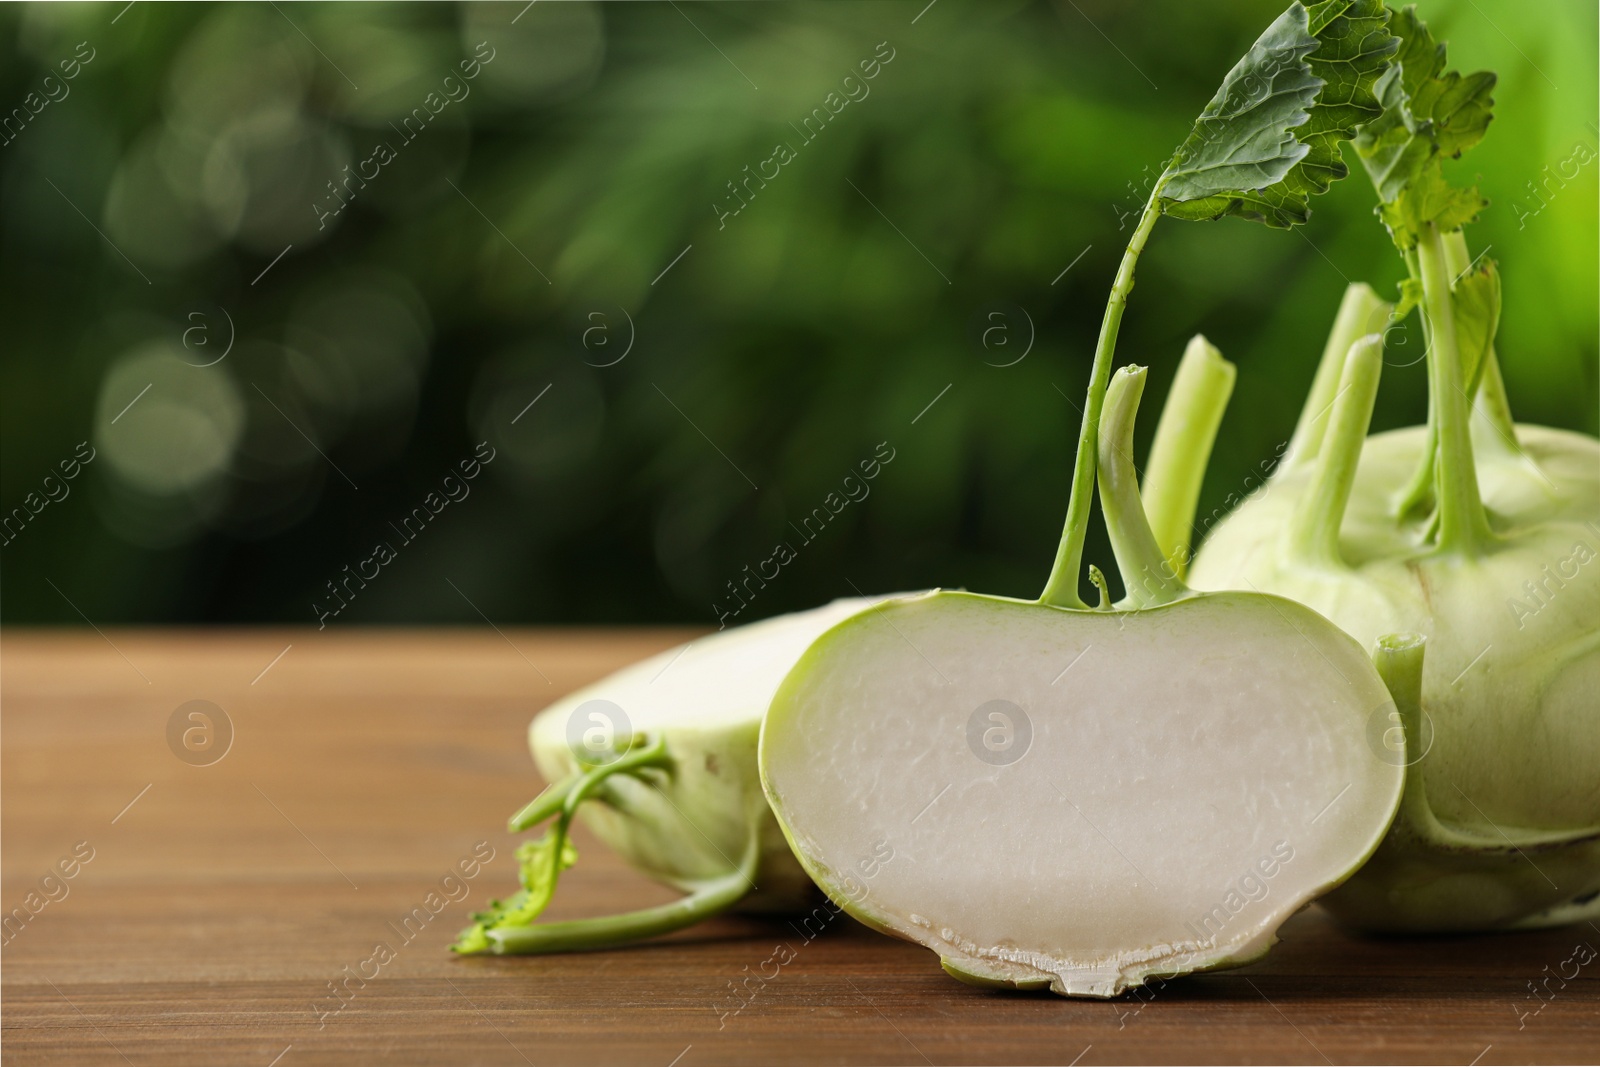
(174, 201)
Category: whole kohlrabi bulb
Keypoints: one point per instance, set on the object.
(1501, 824)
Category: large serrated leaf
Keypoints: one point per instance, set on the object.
(1242, 139)
(1356, 48)
(1430, 114)
(1269, 139)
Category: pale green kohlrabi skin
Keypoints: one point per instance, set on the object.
(706, 700)
(659, 761)
(1501, 824)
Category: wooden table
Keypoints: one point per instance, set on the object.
(222, 900)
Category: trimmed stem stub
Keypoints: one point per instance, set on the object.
(1182, 447)
(1361, 312)
(1314, 530)
(1399, 658)
(1147, 577)
(1097, 578)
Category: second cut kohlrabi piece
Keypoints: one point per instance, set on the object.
(658, 760)
(1081, 800)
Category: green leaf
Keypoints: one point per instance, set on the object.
(1430, 114)
(1242, 138)
(1475, 297)
(1410, 298)
(1429, 198)
(540, 863)
(1269, 139)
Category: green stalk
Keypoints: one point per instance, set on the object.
(565, 796)
(1416, 498)
(544, 805)
(1097, 578)
(714, 896)
(1062, 588)
(1398, 658)
(1313, 532)
(1146, 575)
(1463, 526)
(1184, 437)
(649, 756)
(1417, 495)
(545, 860)
(1489, 396)
(1456, 261)
(1361, 312)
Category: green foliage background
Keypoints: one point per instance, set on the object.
(1002, 141)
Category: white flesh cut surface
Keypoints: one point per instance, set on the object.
(1196, 773)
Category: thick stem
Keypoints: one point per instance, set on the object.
(712, 897)
(1463, 526)
(1146, 575)
(1417, 494)
(1313, 532)
(1182, 447)
(1062, 588)
(544, 805)
(1398, 658)
(1490, 405)
(1361, 312)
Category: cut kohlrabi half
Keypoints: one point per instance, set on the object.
(1078, 799)
(1053, 796)
(658, 760)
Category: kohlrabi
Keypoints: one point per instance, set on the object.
(659, 760)
(1477, 532)
(1053, 796)
(1077, 799)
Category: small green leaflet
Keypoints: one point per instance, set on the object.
(1475, 298)
(1429, 114)
(540, 863)
(1429, 198)
(1410, 299)
(1269, 139)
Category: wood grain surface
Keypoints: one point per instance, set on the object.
(221, 901)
